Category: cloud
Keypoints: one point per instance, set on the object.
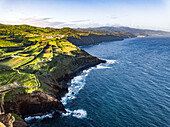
(40, 22)
(77, 21)
(72, 25)
(112, 17)
(84, 25)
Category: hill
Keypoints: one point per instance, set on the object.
(135, 31)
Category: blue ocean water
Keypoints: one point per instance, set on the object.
(132, 89)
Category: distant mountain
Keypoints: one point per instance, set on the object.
(132, 30)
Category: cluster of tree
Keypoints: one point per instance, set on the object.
(15, 37)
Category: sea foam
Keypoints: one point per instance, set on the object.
(77, 83)
(80, 113)
(107, 64)
(27, 119)
(111, 61)
(102, 67)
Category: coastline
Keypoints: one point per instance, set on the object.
(55, 103)
(50, 102)
(65, 80)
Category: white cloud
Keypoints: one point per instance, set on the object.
(40, 22)
(78, 21)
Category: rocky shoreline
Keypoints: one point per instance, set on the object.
(66, 79)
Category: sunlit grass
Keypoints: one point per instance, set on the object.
(4, 43)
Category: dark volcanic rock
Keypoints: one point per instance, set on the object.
(36, 103)
(20, 123)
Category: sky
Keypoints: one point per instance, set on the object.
(144, 14)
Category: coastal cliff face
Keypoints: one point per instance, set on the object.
(35, 103)
(92, 39)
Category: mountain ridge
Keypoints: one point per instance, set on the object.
(136, 31)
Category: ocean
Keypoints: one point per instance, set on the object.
(132, 89)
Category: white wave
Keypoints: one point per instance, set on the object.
(27, 119)
(111, 61)
(80, 113)
(102, 67)
(68, 113)
(106, 65)
(77, 83)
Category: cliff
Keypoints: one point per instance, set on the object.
(92, 39)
